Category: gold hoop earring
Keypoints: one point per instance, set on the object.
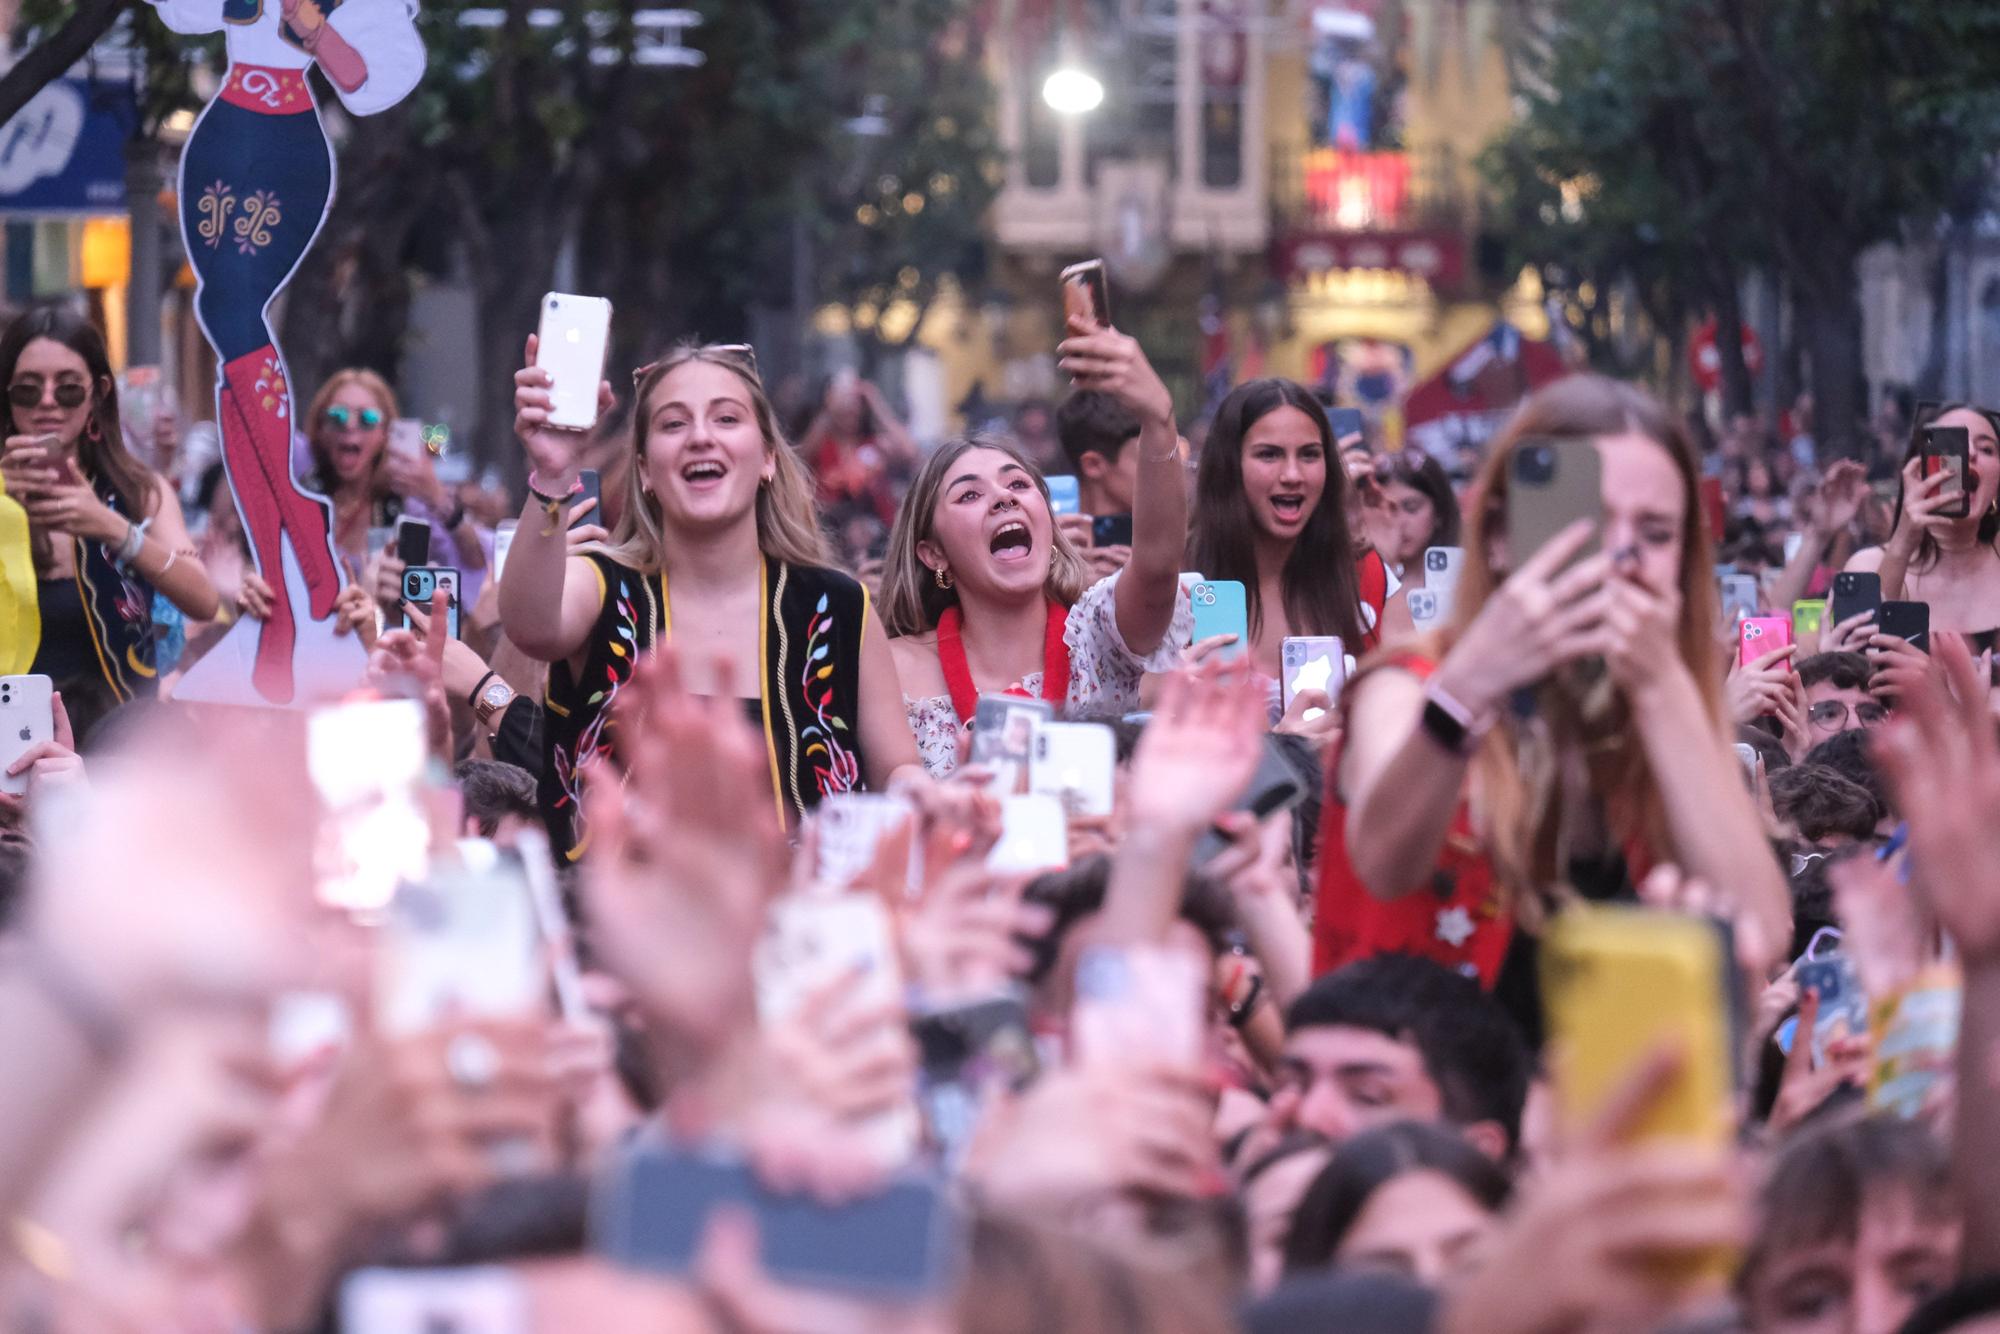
(943, 577)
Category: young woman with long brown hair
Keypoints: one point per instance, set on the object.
(105, 532)
(1270, 512)
(1562, 735)
(986, 595)
(719, 549)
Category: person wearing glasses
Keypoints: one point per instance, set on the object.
(719, 550)
(103, 531)
(372, 485)
(1837, 695)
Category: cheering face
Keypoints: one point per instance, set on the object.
(57, 375)
(1284, 472)
(991, 527)
(1645, 508)
(1984, 455)
(354, 431)
(705, 453)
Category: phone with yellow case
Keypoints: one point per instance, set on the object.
(1618, 984)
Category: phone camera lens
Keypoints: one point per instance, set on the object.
(1535, 465)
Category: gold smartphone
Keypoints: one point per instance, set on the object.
(1618, 985)
(1086, 294)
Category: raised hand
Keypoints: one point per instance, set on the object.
(66, 504)
(1840, 495)
(1851, 635)
(1923, 498)
(551, 450)
(683, 856)
(1113, 363)
(1198, 753)
(1756, 689)
(1540, 618)
(1943, 764)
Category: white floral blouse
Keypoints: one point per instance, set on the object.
(1104, 674)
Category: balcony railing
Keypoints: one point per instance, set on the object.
(1341, 190)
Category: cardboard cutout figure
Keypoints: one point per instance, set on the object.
(255, 184)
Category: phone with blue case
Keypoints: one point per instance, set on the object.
(1221, 609)
(1065, 497)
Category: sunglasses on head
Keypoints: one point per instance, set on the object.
(28, 394)
(341, 417)
(738, 352)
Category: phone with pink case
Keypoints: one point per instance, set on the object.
(1758, 635)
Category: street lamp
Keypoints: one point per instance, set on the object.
(1071, 90)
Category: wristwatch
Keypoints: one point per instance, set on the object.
(490, 698)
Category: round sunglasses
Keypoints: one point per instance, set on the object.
(28, 394)
(340, 417)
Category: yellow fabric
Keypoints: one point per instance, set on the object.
(20, 609)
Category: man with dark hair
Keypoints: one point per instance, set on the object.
(1837, 698)
(1828, 809)
(1097, 435)
(499, 800)
(1397, 1038)
(1847, 753)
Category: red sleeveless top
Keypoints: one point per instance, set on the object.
(1371, 578)
(1455, 915)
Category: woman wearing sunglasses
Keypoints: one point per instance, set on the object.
(372, 485)
(718, 549)
(104, 531)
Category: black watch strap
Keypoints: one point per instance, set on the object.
(1446, 730)
(472, 700)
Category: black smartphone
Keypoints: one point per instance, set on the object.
(425, 584)
(1854, 591)
(590, 487)
(1111, 530)
(1948, 450)
(1908, 621)
(1347, 424)
(652, 1209)
(413, 540)
(1279, 784)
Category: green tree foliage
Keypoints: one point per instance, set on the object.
(1666, 147)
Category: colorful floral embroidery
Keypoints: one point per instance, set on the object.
(272, 395)
(835, 766)
(596, 740)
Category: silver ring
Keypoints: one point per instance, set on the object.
(472, 1061)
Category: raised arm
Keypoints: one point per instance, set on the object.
(1114, 363)
(1401, 781)
(545, 611)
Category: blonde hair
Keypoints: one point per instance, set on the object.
(316, 413)
(787, 516)
(1515, 789)
(911, 600)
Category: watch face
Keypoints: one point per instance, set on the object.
(496, 695)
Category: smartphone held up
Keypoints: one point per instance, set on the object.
(1086, 294)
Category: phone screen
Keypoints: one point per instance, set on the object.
(366, 761)
(1085, 294)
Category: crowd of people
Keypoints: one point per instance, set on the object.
(1557, 959)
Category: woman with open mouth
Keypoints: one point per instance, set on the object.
(719, 549)
(986, 597)
(1270, 513)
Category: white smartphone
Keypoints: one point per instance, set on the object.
(1441, 567)
(27, 718)
(464, 942)
(1313, 662)
(366, 761)
(558, 940)
(809, 941)
(406, 437)
(1075, 763)
(1034, 836)
(503, 541)
(575, 339)
(851, 826)
(484, 1300)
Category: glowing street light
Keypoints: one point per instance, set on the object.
(1071, 91)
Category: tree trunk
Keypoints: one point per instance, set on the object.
(1830, 312)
